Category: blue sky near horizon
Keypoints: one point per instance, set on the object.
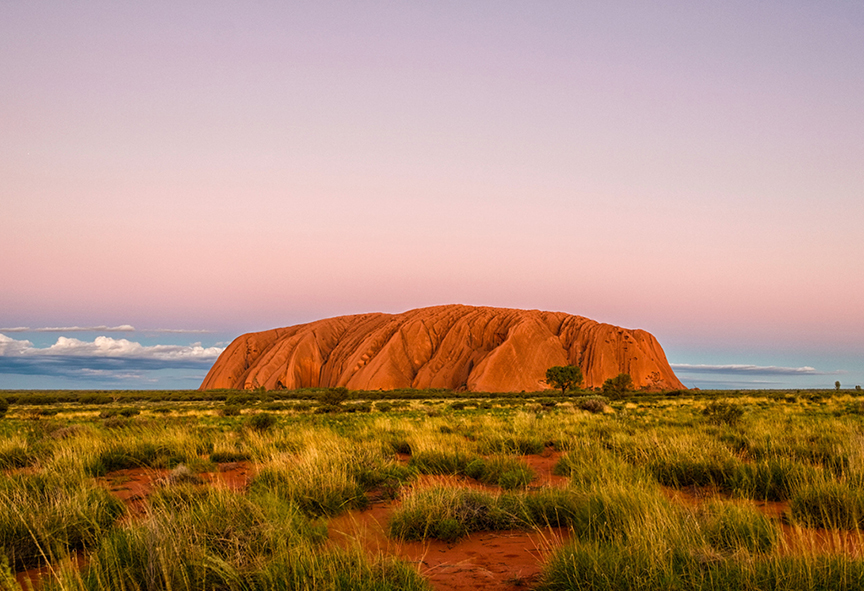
(690, 169)
(180, 358)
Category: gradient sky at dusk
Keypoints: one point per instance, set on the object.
(692, 169)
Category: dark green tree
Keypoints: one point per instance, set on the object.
(565, 377)
(837, 385)
(334, 396)
(617, 386)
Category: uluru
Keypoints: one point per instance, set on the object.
(479, 349)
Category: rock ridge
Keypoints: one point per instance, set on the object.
(479, 349)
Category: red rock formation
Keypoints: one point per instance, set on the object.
(454, 347)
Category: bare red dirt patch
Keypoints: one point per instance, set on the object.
(503, 560)
(500, 561)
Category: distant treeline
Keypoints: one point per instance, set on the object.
(98, 397)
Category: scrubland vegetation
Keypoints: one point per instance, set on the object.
(683, 490)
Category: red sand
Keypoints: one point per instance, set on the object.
(499, 561)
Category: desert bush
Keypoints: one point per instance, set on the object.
(357, 407)
(592, 404)
(230, 411)
(261, 422)
(723, 413)
(96, 399)
(618, 386)
(333, 396)
(239, 400)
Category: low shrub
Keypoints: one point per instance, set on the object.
(230, 411)
(592, 404)
(96, 399)
(261, 422)
(723, 413)
(383, 406)
(333, 396)
(358, 407)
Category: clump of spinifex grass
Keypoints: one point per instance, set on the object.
(196, 538)
(829, 504)
(592, 464)
(506, 472)
(596, 566)
(451, 512)
(448, 513)
(687, 460)
(773, 479)
(124, 455)
(45, 516)
(16, 452)
(331, 475)
(733, 526)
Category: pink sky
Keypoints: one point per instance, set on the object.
(693, 171)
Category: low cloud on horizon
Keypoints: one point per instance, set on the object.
(742, 370)
(103, 346)
(103, 358)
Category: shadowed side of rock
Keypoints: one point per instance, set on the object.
(455, 347)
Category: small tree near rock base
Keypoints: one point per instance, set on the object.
(565, 377)
(617, 386)
(334, 396)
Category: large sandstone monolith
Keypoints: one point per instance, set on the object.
(453, 347)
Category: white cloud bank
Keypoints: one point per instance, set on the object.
(103, 346)
(749, 369)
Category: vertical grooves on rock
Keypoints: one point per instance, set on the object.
(489, 349)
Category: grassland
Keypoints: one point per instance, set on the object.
(708, 490)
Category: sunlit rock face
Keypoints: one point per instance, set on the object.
(455, 347)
